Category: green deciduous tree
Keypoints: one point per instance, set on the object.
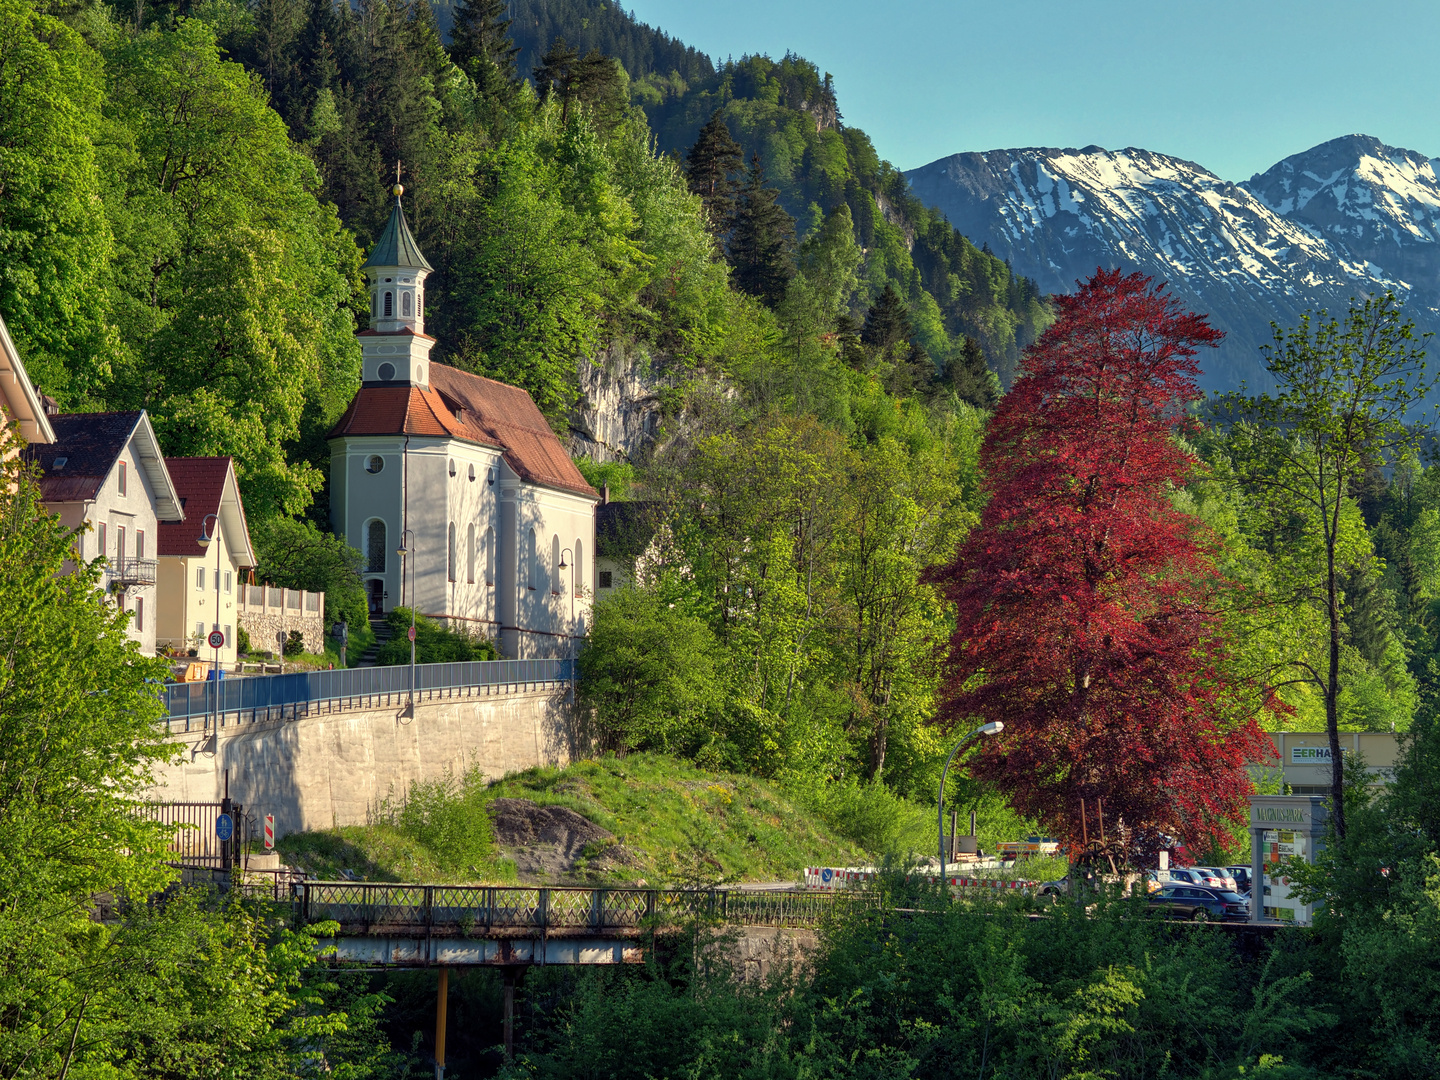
(232, 283)
(1344, 394)
(55, 242)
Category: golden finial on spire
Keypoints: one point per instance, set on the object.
(399, 188)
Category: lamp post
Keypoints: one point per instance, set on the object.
(206, 535)
(571, 567)
(992, 728)
(407, 572)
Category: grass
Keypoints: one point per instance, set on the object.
(673, 823)
(680, 823)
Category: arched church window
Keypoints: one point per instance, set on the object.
(489, 555)
(555, 585)
(372, 305)
(452, 559)
(405, 304)
(470, 554)
(530, 574)
(578, 574)
(375, 547)
(419, 303)
(389, 304)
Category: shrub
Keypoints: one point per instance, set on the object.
(434, 644)
(242, 640)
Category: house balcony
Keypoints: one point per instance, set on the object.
(129, 573)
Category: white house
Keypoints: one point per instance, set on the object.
(461, 497)
(105, 470)
(21, 411)
(200, 584)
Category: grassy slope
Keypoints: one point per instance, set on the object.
(674, 821)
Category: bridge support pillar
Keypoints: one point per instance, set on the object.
(442, 1001)
(512, 976)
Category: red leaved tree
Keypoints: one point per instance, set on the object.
(1083, 616)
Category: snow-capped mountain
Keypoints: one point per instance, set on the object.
(1347, 218)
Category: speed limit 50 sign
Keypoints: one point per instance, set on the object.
(216, 639)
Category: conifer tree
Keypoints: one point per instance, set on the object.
(762, 244)
(709, 166)
(555, 73)
(969, 375)
(480, 45)
(887, 323)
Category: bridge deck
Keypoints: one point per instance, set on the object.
(458, 925)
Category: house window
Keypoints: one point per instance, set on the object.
(530, 574)
(405, 304)
(375, 462)
(140, 614)
(217, 581)
(227, 635)
(200, 633)
(139, 543)
(578, 574)
(124, 478)
(606, 577)
(120, 544)
(470, 554)
(228, 578)
(375, 547)
(489, 556)
(100, 540)
(200, 579)
(389, 305)
(555, 584)
(451, 560)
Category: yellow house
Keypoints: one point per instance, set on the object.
(200, 583)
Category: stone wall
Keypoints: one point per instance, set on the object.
(262, 628)
(336, 768)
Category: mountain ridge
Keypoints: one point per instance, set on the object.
(1237, 251)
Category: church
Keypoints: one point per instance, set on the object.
(461, 498)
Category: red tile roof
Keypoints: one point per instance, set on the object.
(201, 484)
(465, 406)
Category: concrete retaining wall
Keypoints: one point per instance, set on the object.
(336, 768)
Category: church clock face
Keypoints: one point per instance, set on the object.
(386, 372)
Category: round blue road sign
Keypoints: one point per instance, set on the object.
(826, 874)
(224, 827)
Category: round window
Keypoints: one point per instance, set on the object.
(452, 466)
(472, 474)
(375, 463)
(386, 372)
(419, 372)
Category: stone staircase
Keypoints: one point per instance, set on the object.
(382, 634)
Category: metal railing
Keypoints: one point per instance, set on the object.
(125, 572)
(498, 911)
(300, 693)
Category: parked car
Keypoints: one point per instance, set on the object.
(1185, 876)
(1216, 877)
(1193, 902)
(1241, 874)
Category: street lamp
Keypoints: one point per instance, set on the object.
(571, 567)
(206, 535)
(992, 728)
(407, 542)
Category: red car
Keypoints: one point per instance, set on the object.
(1215, 877)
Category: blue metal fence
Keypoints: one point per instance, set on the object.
(264, 697)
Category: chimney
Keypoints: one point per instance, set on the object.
(604, 494)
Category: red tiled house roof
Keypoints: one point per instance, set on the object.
(201, 483)
(470, 407)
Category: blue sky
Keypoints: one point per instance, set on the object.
(1232, 86)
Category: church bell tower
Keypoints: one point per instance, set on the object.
(395, 347)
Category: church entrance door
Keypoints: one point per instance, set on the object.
(377, 596)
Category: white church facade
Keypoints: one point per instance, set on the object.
(453, 486)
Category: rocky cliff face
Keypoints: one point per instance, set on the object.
(1349, 218)
(618, 415)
